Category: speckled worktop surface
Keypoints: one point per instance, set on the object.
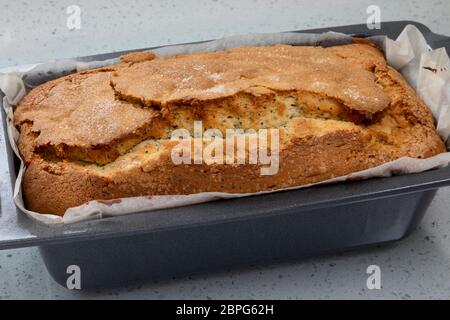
(33, 31)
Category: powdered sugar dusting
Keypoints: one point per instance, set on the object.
(215, 76)
(187, 79)
(274, 78)
(216, 89)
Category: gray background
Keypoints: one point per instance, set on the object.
(33, 31)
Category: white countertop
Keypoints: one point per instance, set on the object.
(33, 31)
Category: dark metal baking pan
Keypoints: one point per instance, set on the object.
(227, 233)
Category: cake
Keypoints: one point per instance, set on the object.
(107, 133)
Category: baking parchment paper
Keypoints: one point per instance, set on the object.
(426, 70)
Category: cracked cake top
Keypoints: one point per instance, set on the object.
(99, 114)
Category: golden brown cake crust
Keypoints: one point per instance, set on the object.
(189, 78)
(103, 134)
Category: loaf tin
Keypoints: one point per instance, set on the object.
(230, 233)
